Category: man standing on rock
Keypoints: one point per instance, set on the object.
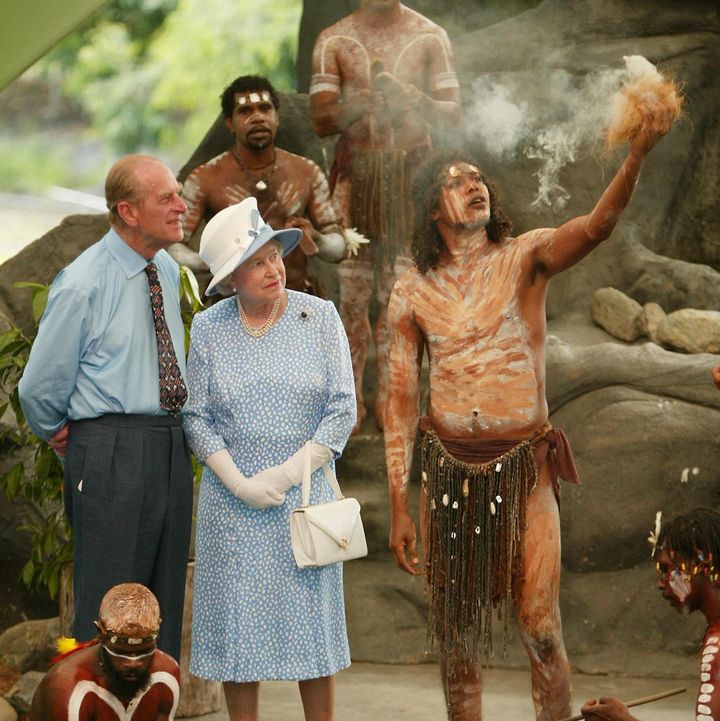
(475, 301)
(292, 191)
(382, 77)
(686, 556)
(104, 386)
(121, 675)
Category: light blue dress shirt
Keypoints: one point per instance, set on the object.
(96, 351)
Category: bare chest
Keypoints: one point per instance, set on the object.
(281, 190)
(402, 52)
(474, 308)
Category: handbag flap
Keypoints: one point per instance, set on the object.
(336, 520)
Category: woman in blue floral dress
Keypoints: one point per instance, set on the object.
(269, 370)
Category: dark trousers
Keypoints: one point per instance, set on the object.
(128, 497)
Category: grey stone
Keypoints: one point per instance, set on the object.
(652, 316)
(7, 711)
(43, 259)
(692, 331)
(21, 694)
(29, 645)
(640, 419)
(619, 315)
(672, 283)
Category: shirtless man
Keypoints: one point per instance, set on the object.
(475, 301)
(686, 553)
(121, 675)
(716, 376)
(292, 191)
(382, 76)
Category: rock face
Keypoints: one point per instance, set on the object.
(21, 694)
(30, 645)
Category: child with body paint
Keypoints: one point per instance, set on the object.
(686, 555)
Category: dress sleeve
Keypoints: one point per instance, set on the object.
(198, 416)
(51, 372)
(340, 413)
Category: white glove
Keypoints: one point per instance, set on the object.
(331, 247)
(289, 473)
(254, 492)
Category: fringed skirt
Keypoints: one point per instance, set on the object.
(476, 508)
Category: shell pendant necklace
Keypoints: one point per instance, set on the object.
(260, 184)
(261, 330)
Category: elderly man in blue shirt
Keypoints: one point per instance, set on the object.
(104, 386)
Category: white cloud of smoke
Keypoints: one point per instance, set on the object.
(552, 119)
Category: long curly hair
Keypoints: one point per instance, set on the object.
(698, 530)
(426, 188)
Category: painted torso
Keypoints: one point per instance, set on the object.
(414, 50)
(296, 187)
(76, 689)
(708, 700)
(483, 326)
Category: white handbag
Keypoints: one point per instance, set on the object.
(326, 532)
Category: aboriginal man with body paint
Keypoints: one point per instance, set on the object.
(686, 556)
(120, 675)
(382, 77)
(291, 191)
(475, 302)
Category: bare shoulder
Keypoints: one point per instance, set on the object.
(163, 662)
(421, 24)
(210, 168)
(344, 26)
(53, 694)
(409, 286)
(295, 162)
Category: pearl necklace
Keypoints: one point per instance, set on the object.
(257, 331)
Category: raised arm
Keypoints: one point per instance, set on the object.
(334, 106)
(576, 238)
(401, 421)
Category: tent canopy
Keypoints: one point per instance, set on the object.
(29, 28)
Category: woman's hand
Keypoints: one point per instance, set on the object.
(255, 493)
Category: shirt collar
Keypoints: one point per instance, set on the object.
(131, 262)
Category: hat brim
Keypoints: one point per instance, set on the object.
(287, 237)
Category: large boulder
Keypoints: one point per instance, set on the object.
(643, 425)
(30, 645)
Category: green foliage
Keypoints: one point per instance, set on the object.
(149, 73)
(190, 300)
(39, 478)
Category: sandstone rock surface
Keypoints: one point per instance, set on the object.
(618, 314)
(692, 331)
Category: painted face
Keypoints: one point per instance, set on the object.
(261, 278)
(159, 213)
(677, 582)
(255, 120)
(464, 202)
(128, 665)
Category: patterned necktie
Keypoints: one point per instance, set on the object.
(173, 392)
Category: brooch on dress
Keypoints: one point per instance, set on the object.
(304, 314)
